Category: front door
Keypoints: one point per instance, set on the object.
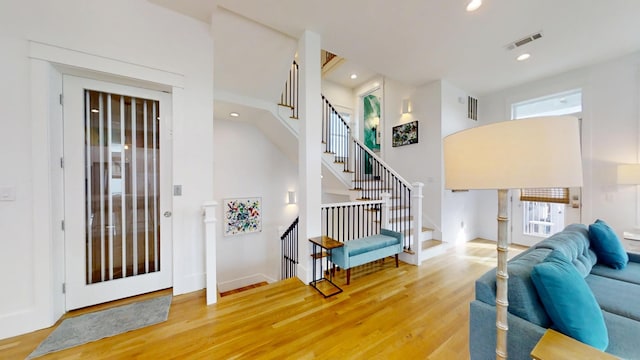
(117, 168)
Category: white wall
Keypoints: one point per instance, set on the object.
(419, 162)
(459, 211)
(610, 134)
(133, 34)
(342, 98)
(249, 165)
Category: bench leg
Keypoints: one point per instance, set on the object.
(348, 275)
(396, 260)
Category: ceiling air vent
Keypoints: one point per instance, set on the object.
(524, 40)
(472, 108)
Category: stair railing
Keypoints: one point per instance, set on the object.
(373, 177)
(335, 134)
(291, 92)
(289, 249)
(351, 220)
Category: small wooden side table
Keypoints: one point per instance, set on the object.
(324, 285)
(556, 346)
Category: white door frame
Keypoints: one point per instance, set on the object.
(49, 61)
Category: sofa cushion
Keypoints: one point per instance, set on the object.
(615, 296)
(573, 242)
(631, 273)
(607, 245)
(369, 243)
(569, 301)
(523, 297)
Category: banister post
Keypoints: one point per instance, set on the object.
(416, 210)
(209, 214)
(350, 151)
(386, 197)
(309, 153)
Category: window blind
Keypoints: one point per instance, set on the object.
(550, 195)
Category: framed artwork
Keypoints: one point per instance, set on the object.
(371, 108)
(242, 216)
(405, 134)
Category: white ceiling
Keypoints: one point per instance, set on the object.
(418, 41)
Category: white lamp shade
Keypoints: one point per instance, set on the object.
(530, 153)
(629, 174)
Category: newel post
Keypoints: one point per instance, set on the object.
(416, 210)
(209, 213)
(386, 205)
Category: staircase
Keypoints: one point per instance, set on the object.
(366, 177)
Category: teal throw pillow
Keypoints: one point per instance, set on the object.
(607, 246)
(569, 301)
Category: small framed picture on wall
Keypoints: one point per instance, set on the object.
(405, 134)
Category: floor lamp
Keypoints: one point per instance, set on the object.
(541, 152)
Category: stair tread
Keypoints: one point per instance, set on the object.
(394, 208)
(398, 219)
(430, 243)
(368, 180)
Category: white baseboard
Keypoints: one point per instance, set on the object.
(189, 284)
(23, 321)
(244, 281)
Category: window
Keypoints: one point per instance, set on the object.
(542, 218)
(564, 103)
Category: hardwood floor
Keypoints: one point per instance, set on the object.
(408, 312)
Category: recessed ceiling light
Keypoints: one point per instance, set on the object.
(354, 76)
(523, 57)
(474, 5)
(95, 110)
(234, 114)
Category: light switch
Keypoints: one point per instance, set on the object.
(177, 190)
(8, 194)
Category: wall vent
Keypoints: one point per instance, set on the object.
(472, 108)
(525, 40)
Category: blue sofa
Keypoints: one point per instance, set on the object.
(617, 292)
(367, 249)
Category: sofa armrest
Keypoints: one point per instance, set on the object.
(634, 257)
(395, 234)
(340, 257)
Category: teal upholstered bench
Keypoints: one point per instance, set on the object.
(367, 249)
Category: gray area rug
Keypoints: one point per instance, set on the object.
(101, 324)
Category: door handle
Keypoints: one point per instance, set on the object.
(167, 214)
